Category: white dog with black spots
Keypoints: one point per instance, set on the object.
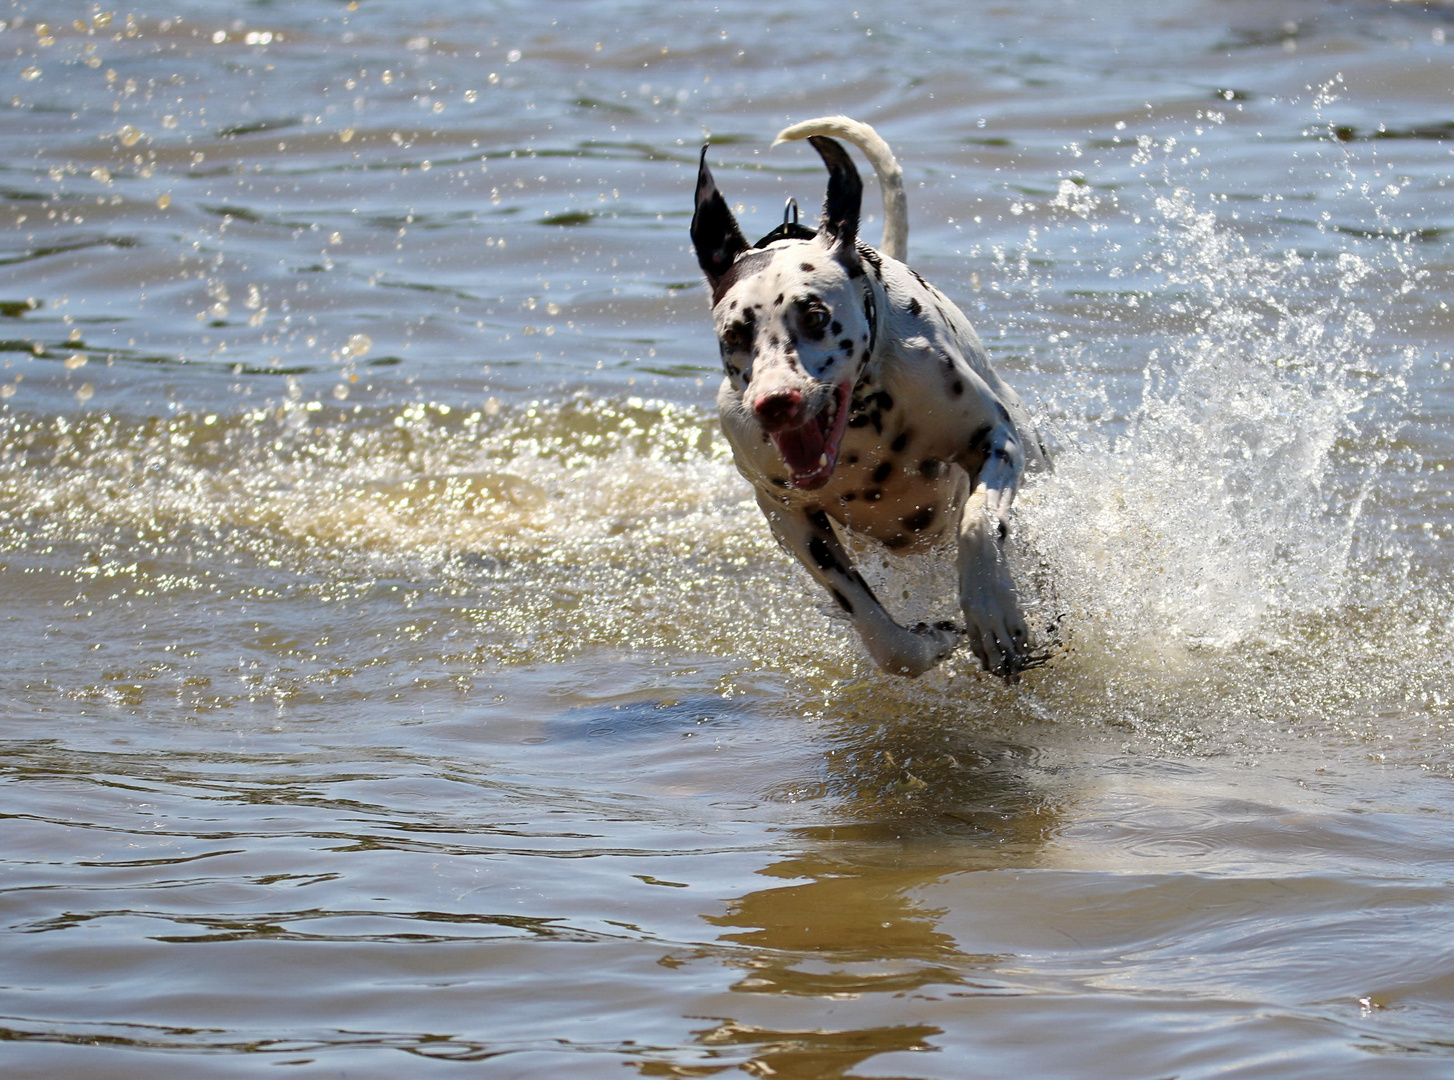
(859, 398)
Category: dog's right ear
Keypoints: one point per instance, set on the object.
(715, 234)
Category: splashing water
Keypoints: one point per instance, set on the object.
(1204, 555)
(1214, 559)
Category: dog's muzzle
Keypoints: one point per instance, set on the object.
(808, 447)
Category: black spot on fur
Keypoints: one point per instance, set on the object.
(842, 601)
(980, 438)
(837, 328)
(872, 495)
(778, 481)
(882, 472)
(809, 267)
(885, 400)
(919, 520)
(876, 419)
(851, 459)
(956, 387)
(872, 257)
(820, 520)
(898, 540)
(779, 301)
(914, 308)
(846, 345)
(818, 548)
(901, 441)
(858, 420)
(920, 280)
(931, 468)
(848, 498)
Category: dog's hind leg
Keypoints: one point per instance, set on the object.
(993, 623)
(809, 536)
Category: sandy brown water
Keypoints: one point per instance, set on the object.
(399, 681)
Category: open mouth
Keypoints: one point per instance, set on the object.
(811, 449)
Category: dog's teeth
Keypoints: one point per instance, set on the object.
(822, 460)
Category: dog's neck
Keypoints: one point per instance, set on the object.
(875, 298)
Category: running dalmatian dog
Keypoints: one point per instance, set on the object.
(859, 398)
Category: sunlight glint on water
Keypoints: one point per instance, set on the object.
(401, 681)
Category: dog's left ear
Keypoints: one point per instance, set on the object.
(839, 224)
(715, 234)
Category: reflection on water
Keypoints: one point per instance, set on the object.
(847, 922)
(398, 675)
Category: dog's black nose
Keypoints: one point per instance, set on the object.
(778, 410)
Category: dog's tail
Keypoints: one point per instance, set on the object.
(890, 177)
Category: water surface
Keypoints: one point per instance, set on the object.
(400, 680)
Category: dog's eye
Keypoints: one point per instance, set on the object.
(735, 338)
(815, 319)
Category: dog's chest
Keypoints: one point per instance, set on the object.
(899, 491)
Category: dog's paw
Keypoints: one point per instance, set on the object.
(914, 651)
(999, 638)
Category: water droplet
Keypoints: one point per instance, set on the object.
(30, 74)
(85, 393)
(358, 345)
(346, 135)
(163, 201)
(129, 135)
(74, 361)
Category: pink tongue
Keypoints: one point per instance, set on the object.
(801, 447)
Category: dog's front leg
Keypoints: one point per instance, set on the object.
(809, 536)
(996, 630)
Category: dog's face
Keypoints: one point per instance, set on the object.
(794, 317)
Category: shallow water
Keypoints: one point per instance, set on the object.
(400, 681)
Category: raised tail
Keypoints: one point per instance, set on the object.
(890, 177)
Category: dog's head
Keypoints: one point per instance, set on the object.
(794, 315)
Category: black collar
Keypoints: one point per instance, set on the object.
(788, 230)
